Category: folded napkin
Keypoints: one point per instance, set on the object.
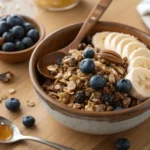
(144, 8)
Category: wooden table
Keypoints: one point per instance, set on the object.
(123, 11)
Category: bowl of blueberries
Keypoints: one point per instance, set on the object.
(19, 35)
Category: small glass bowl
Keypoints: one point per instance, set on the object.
(57, 5)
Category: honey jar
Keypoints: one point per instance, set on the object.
(57, 5)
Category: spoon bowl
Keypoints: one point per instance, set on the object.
(17, 136)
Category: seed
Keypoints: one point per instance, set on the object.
(30, 103)
(12, 91)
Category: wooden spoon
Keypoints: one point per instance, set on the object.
(91, 20)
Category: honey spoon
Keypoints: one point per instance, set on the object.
(89, 23)
(15, 136)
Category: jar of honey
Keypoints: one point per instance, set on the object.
(57, 5)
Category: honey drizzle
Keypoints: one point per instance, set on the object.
(5, 131)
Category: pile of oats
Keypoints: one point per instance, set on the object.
(71, 87)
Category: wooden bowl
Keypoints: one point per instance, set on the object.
(22, 55)
(88, 122)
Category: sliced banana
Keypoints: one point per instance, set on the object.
(139, 52)
(117, 39)
(122, 44)
(130, 47)
(140, 61)
(109, 39)
(140, 79)
(98, 39)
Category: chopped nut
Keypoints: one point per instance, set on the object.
(112, 78)
(30, 103)
(109, 108)
(6, 77)
(126, 102)
(95, 101)
(76, 106)
(71, 86)
(12, 91)
(57, 87)
(52, 68)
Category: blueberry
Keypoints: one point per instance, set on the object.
(97, 82)
(19, 45)
(3, 19)
(27, 42)
(80, 97)
(88, 53)
(118, 108)
(108, 99)
(14, 20)
(8, 37)
(3, 27)
(12, 104)
(27, 26)
(122, 144)
(8, 47)
(87, 66)
(28, 121)
(33, 34)
(123, 86)
(18, 32)
(59, 61)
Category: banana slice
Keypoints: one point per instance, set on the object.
(109, 39)
(117, 39)
(98, 39)
(140, 61)
(122, 44)
(140, 79)
(139, 52)
(132, 46)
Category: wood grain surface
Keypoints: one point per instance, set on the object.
(46, 127)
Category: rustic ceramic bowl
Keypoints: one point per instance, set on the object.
(88, 122)
(22, 55)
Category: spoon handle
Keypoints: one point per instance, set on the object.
(91, 20)
(54, 145)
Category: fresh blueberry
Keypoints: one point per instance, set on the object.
(12, 104)
(28, 121)
(33, 34)
(97, 82)
(18, 32)
(87, 66)
(8, 47)
(123, 86)
(59, 61)
(27, 42)
(3, 27)
(80, 97)
(108, 99)
(88, 53)
(8, 37)
(122, 144)
(28, 26)
(3, 19)
(14, 20)
(118, 108)
(19, 45)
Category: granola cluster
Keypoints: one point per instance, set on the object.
(70, 86)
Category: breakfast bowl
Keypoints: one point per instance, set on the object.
(86, 121)
(24, 54)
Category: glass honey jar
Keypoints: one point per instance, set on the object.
(57, 5)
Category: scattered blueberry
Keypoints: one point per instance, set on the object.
(87, 66)
(28, 121)
(122, 144)
(118, 108)
(80, 97)
(123, 86)
(3, 27)
(3, 19)
(33, 34)
(14, 20)
(97, 82)
(27, 26)
(27, 42)
(12, 104)
(18, 32)
(19, 45)
(88, 53)
(108, 99)
(8, 47)
(8, 37)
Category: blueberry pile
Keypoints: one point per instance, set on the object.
(16, 33)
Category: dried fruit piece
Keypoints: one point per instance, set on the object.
(111, 56)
